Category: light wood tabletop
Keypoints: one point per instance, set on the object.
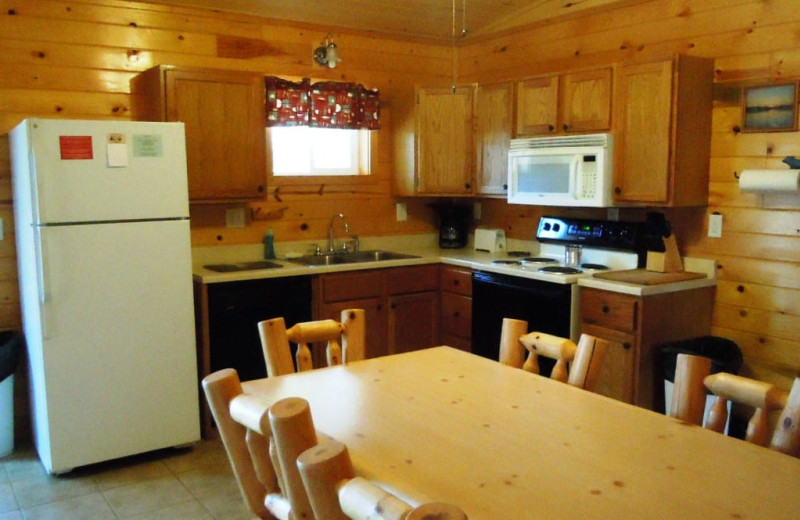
(442, 424)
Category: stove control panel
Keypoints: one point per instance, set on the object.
(596, 233)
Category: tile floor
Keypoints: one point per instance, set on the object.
(173, 484)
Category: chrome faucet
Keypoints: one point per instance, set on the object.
(331, 245)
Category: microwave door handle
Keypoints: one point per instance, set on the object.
(575, 178)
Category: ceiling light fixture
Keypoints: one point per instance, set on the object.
(327, 53)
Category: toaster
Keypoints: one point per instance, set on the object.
(490, 240)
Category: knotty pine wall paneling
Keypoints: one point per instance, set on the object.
(753, 42)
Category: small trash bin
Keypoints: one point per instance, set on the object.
(725, 357)
(9, 358)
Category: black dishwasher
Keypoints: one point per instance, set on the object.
(546, 306)
(235, 308)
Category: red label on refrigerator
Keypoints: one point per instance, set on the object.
(75, 147)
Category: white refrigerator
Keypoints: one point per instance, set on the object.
(102, 228)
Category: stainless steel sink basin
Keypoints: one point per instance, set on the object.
(376, 255)
(243, 266)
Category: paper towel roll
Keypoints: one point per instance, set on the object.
(769, 180)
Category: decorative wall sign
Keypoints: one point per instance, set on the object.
(771, 108)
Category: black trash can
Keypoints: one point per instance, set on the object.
(9, 358)
(726, 356)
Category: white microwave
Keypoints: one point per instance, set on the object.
(561, 171)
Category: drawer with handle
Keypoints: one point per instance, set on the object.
(609, 309)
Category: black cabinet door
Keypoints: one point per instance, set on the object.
(234, 310)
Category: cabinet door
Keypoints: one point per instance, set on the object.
(445, 141)
(494, 113)
(225, 136)
(413, 320)
(643, 122)
(586, 101)
(537, 106)
(456, 315)
(377, 323)
(619, 370)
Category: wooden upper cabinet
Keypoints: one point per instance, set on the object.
(558, 104)
(223, 113)
(586, 101)
(537, 106)
(445, 141)
(494, 120)
(663, 132)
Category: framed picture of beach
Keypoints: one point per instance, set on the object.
(770, 108)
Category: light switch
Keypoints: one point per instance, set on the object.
(402, 211)
(715, 225)
(234, 218)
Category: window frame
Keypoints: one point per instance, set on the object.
(371, 150)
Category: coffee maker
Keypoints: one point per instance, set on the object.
(453, 224)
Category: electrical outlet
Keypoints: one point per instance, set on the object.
(476, 210)
(2, 233)
(234, 218)
(715, 225)
(612, 214)
(402, 211)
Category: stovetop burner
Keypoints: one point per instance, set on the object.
(505, 262)
(559, 269)
(599, 267)
(538, 260)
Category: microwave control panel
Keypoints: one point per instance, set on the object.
(587, 174)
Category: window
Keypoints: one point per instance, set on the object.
(311, 151)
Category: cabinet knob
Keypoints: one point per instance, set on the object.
(618, 190)
(505, 187)
(393, 306)
(261, 188)
(565, 127)
(456, 314)
(380, 306)
(626, 345)
(468, 186)
(605, 309)
(551, 127)
(456, 282)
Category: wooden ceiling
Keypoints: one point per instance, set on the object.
(425, 20)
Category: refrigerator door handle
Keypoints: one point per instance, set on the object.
(42, 279)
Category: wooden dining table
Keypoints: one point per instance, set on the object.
(504, 444)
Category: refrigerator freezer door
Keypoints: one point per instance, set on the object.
(118, 360)
(88, 171)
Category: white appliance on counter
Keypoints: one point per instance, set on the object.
(104, 257)
(561, 170)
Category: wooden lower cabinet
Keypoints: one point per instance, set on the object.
(637, 327)
(401, 304)
(456, 307)
(412, 321)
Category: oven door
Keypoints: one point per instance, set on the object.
(546, 306)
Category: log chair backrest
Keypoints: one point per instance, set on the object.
(345, 341)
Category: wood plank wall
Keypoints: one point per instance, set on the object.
(753, 42)
(70, 59)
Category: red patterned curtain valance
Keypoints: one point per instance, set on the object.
(326, 104)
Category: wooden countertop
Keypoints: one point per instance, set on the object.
(441, 424)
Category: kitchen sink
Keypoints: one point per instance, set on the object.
(376, 255)
(243, 266)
